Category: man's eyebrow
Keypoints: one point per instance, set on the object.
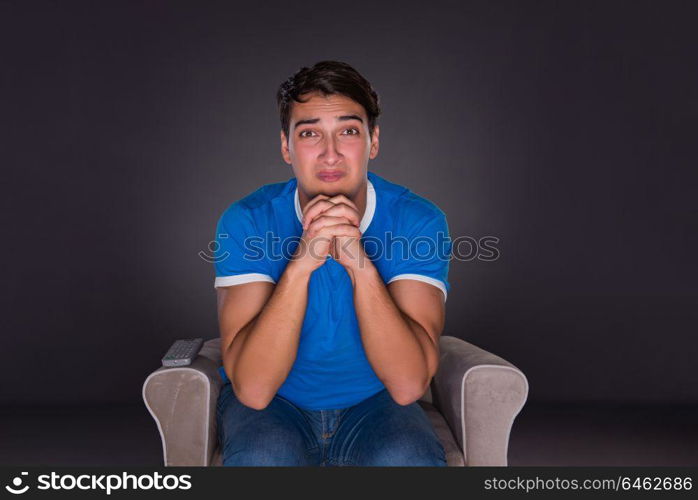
(340, 118)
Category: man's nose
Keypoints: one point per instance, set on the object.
(331, 154)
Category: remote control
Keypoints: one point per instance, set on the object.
(182, 352)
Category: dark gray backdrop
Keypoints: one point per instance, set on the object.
(566, 129)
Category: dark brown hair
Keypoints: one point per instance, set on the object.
(327, 77)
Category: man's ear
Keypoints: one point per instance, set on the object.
(284, 148)
(374, 143)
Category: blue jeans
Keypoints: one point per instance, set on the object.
(375, 432)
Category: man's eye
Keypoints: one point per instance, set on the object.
(302, 133)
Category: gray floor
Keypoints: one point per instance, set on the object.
(542, 435)
(605, 435)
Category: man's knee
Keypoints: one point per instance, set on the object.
(407, 450)
(272, 447)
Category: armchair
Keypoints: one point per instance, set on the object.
(471, 402)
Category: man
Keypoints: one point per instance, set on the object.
(326, 349)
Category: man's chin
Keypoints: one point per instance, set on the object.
(333, 192)
(330, 191)
(329, 188)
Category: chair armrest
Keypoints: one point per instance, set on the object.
(183, 401)
(479, 394)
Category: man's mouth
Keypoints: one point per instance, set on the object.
(330, 175)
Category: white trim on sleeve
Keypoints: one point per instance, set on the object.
(241, 278)
(420, 277)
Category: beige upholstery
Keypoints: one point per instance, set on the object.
(472, 403)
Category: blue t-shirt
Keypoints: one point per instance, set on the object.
(404, 235)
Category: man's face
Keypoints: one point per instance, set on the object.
(329, 135)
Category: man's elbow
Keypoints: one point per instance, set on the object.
(407, 396)
(255, 404)
(255, 399)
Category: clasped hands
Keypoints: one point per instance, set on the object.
(331, 227)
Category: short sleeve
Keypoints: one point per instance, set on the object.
(425, 255)
(239, 255)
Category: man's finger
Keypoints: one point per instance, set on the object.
(340, 230)
(325, 220)
(327, 204)
(340, 198)
(339, 210)
(314, 201)
(319, 199)
(315, 210)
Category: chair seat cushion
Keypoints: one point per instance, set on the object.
(454, 456)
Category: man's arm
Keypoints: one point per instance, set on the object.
(260, 326)
(260, 329)
(400, 327)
